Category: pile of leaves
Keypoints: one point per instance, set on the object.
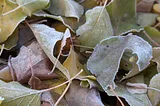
(79, 52)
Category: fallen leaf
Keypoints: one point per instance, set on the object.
(11, 41)
(36, 83)
(31, 6)
(47, 39)
(33, 55)
(12, 15)
(132, 99)
(136, 88)
(146, 19)
(154, 96)
(15, 94)
(67, 8)
(47, 97)
(156, 8)
(153, 33)
(123, 16)
(145, 5)
(110, 51)
(96, 28)
(68, 22)
(83, 96)
(1, 100)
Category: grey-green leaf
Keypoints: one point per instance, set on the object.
(105, 59)
(67, 8)
(154, 95)
(31, 6)
(123, 16)
(96, 28)
(15, 94)
(47, 38)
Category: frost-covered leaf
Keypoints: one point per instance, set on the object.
(67, 8)
(123, 16)
(132, 99)
(146, 19)
(12, 14)
(15, 94)
(136, 88)
(31, 56)
(154, 96)
(96, 28)
(105, 59)
(68, 22)
(83, 96)
(30, 6)
(47, 39)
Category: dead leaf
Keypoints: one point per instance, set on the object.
(40, 63)
(83, 96)
(145, 5)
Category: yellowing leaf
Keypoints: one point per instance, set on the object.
(15, 94)
(12, 14)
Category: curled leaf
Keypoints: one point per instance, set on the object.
(105, 59)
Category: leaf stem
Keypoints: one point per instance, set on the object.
(64, 92)
(155, 43)
(112, 90)
(155, 89)
(2, 48)
(45, 90)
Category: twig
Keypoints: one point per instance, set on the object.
(112, 90)
(155, 43)
(2, 48)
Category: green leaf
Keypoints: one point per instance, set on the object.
(96, 28)
(67, 8)
(12, 14)
(154, 95)
(15, 94)
(105, 59)
(123, 16)
(47, 39)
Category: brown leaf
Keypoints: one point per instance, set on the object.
(78, 96)
(31, 56)
(36, 83)
(145, 5)
(47, 99)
